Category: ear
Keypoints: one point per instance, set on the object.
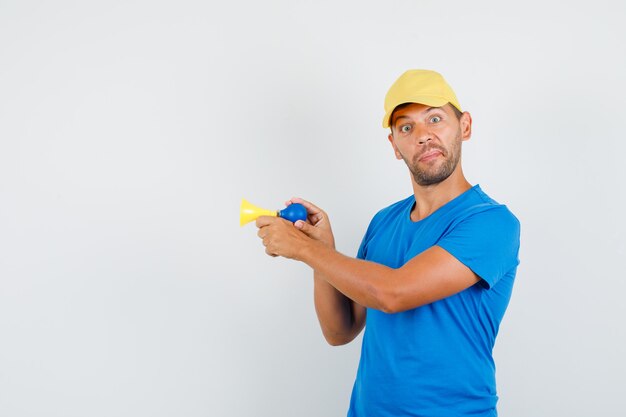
(393, 145)
(466, 126)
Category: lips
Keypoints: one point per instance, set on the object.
(430, 155)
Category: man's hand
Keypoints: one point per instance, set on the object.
(280, 237)
(318, 224)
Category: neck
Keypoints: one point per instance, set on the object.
(429, 198)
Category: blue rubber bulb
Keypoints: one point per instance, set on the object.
(293, 212)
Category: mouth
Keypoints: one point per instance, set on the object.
(430, 155)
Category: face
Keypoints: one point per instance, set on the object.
(428, 139)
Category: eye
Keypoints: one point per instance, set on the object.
(405, 128)
(435, 119)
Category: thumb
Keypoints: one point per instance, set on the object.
(307, 229)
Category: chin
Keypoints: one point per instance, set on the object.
(432, 179)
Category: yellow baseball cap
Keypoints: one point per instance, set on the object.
(419, 86)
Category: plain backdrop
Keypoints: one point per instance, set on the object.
(130, 131)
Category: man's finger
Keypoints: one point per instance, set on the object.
(307, 229)
(263, 221)
(310, 207)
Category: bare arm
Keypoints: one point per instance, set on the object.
(340, 318)
(433, 275)
(430, 276)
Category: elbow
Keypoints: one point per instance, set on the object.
(389, 307)
(337, 340)
(395, 304)
(391, 297)
(383, 296)
(388, 301)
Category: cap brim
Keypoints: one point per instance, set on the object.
(426, 100)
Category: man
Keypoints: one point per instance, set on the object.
(433, 275)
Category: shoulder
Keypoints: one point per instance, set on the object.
(484, 236)
(483, 211)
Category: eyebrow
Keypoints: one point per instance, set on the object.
(428, 110)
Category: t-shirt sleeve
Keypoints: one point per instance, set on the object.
(362, 252)
(486, 242)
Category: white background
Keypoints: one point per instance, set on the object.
(129, 132)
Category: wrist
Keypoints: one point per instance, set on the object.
(328, 240)
(309, 251)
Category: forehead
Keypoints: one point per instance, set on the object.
(415, 109)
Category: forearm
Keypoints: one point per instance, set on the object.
(367, 283)
(335, 312)
(432, 275)
(358, 280)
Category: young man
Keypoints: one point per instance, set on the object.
(433, 275)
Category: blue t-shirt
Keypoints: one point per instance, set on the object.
(436, 360)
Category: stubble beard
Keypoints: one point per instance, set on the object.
(428, 176)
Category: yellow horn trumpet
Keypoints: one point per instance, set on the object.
(249, 212)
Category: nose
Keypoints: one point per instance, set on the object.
(422, 134)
